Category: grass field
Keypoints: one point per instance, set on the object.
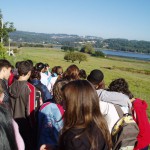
(137, 73)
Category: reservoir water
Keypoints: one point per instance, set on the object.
(139, 56)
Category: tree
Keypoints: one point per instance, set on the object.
(81, 57)
(73, 56)
(2, 51)
(5, 29)
(88, 48)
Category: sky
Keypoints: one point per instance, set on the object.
(128, 19)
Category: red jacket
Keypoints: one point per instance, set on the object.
(141, 118)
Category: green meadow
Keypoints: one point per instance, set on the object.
(137, 73)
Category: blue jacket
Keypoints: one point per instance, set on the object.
(50, 122)
(44, 91)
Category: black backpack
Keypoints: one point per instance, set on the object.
(125, 131)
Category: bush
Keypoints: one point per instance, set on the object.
(98, 54)
(16, 50)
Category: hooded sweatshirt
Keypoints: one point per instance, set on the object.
(20, 102)
(19, 99)
(141, 118)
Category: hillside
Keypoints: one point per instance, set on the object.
(79, 41)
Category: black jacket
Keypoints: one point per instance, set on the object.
(69, 142)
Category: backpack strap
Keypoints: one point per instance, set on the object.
(119, 111)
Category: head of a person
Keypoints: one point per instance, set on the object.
(96, 77)
(82, 108)
(82, 74)
(7, 135)
(59, 70)
(71, 73)
(5, 68)
(120, 85)
(24, 69)
(57, 91)
(40, 67)
(35, 74)
(31, 62)
(17, 64)
(54, 69)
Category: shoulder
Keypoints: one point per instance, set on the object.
(55, 110)
(138, 103)
(69, 140)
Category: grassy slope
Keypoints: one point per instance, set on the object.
(139, 83)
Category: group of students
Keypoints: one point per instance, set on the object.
(48, 109)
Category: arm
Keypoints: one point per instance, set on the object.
(114, 97)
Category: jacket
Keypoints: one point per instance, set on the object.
(68, 140)
(43, 89)
(4, 85)
(141, 118)
(19, 92)
(50, 122)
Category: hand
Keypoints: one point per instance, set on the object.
(46, 147)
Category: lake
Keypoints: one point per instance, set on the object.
(126, 54)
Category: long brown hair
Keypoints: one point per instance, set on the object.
(82, 109)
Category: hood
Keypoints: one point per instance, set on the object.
(138, 103)
(16, 88)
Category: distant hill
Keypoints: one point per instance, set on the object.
(61, 39)
(79, 41)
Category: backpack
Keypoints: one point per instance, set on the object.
(125, 131)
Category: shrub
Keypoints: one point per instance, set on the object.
(98, 54)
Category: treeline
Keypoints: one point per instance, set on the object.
(127, 45)
(79, 41)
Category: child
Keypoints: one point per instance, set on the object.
(22, 102)
(139, 113)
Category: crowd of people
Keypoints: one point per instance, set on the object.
(44, 108)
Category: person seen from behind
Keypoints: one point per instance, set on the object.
(51, 119)
(139, 108)
(22, 103)
(84, 126)
(107, 99)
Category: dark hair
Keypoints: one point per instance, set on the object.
(17, 64)
(96, 76)
(24, 67)
(82, 109)
(31, 62)
(39, 66)
(4, 63)
(54, 69)
(120, 85)
(57, 70)
(71, 73)
(82, 74)
(46, 65)
(7, 135)
(35, 74)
